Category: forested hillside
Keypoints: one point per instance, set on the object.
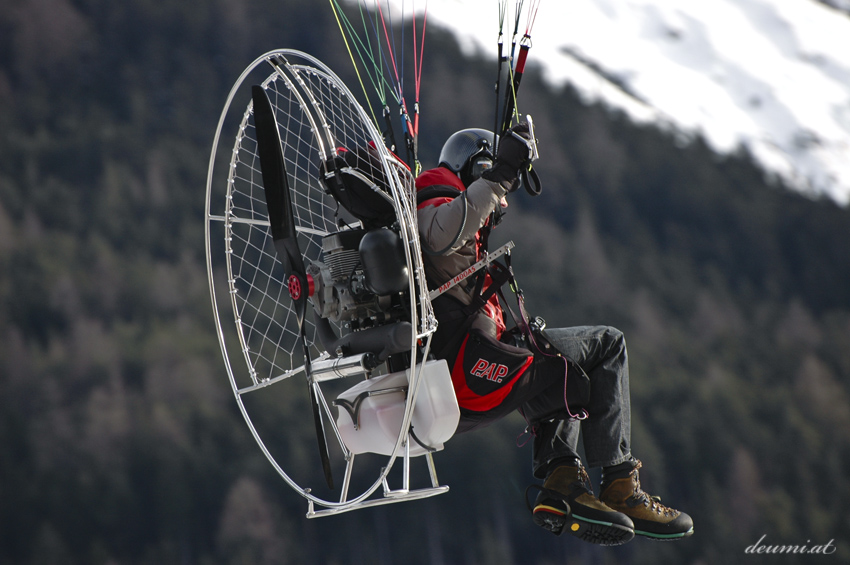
(121, 442)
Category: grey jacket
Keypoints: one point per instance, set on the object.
(447, 234)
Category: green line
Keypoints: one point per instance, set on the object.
(379, 70)
(378, 80)
(597, 521)
(664, 536)
(334, 7)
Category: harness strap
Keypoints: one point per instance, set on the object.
(498, 277)
(466, 273)
(534, 336)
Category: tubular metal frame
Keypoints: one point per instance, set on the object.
(298, 77)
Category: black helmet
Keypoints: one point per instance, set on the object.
(468, 152)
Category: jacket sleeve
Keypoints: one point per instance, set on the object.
(446, 228)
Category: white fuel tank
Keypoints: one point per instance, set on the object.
(370, 413)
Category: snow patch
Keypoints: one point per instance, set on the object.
(771, 75)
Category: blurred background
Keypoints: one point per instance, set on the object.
(121, 441)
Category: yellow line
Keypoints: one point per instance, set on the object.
(354, 63)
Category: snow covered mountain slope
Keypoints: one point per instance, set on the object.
(771, 75)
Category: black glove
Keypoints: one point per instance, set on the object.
(514, 155)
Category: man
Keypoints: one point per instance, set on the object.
(566, 382)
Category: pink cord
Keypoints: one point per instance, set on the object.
(582, 413)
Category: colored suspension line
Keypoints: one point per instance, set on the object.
(378, 53)
(418, 59)
(406, 124)
(503, 9)
(377, 78)
(516, 65)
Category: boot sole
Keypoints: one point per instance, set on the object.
(557, 521)
(600, 533)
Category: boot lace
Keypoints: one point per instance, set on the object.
(651, 502)
(583, 480)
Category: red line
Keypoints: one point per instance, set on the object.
(389, 45)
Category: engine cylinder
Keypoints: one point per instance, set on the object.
(340, 251)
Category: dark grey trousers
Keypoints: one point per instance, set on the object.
(548, 397)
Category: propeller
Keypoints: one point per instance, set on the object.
(282, 223)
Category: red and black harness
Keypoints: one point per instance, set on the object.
(484, 369)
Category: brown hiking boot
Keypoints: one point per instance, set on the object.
(566, 503)
(651, 518)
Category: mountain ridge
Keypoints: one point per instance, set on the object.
(773, 77)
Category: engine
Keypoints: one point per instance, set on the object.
(361, 279)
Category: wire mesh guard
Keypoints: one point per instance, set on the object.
(254, 314)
